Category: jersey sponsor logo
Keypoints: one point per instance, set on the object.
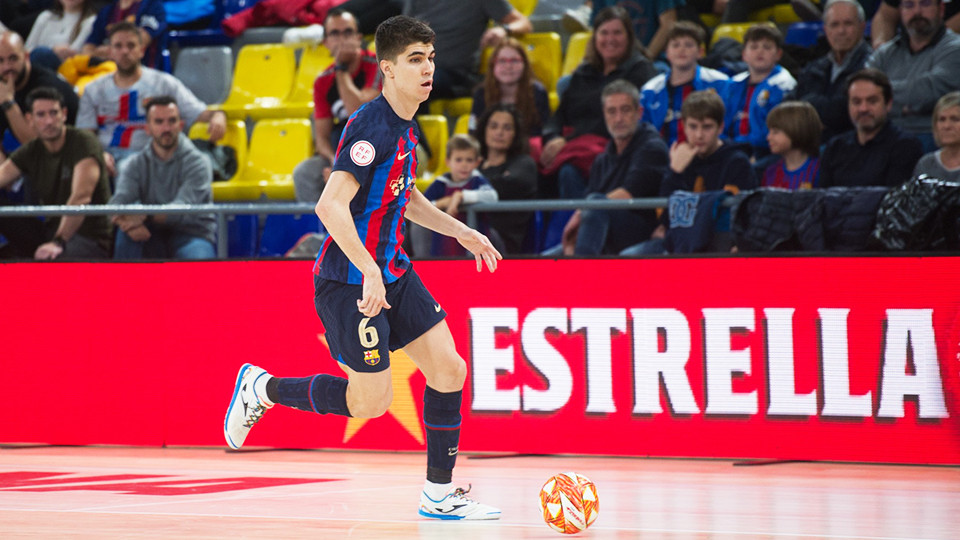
(362, 153)
(372, 358)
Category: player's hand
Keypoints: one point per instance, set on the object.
(374, 296)
(681, 154)
(47, 251)
(483, 251)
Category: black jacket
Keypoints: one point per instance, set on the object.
(830, 98)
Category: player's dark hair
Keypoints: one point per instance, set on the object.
(45, 92)
(761, 31)
(125, 26)
(519, 144)
(159, 101)
(687, 29)
(875, 76)
(703, 105)
(399, 32)
(461, 142)
(800, 122)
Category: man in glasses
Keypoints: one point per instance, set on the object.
(922, 63)
(352, 80)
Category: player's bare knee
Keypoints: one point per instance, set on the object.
(371, 407)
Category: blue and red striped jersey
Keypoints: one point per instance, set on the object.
(806, 177)
(379, 149)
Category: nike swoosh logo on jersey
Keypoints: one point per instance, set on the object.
(402, 156)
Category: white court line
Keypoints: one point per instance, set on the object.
(491, 523)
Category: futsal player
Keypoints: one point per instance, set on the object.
(368, 296)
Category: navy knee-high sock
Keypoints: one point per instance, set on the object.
(320, 394)
(441, 417)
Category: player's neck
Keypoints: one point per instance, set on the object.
(794, 159)
(403, 106)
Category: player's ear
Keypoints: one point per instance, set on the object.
(386, 67)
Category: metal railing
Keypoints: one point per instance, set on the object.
(223, 210)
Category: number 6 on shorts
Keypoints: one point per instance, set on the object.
(368, 335)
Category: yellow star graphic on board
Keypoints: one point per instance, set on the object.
(403, 408)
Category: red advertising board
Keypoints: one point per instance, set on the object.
(851, 359)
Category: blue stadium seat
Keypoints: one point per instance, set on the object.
(242, 239)
(281, 232)
(803, 34)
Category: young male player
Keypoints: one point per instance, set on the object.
(368, 296)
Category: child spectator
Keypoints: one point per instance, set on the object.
(702, 163)
(462, 185)
(60, 32)
(509, 81)
(755, 92)
(662, 96)
(794, 135)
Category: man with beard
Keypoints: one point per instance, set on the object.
(61, 166)
(922, 63)
(17, 78)
(113, 105)
(887, 17)
(875, 153)
(170, 170)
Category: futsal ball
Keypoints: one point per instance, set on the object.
(569, 502)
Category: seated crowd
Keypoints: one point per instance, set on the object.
(641, 116)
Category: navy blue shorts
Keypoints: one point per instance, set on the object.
(363, 343)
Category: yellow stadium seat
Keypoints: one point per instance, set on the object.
(780, 14)
(313, 61)
(733, 31)
(262, 79)
(554, 100)
(236, 138)
(435, 131)
(711, 20)
(545, 55)
(526, 7)
(276, 147)
(462, 127)
(451, 107)
(576, 49)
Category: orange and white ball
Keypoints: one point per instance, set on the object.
(569, 502)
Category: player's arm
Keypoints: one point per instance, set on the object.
(423, 212)
(333, 209)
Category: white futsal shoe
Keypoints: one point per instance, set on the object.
(456, 505)
(246, 408)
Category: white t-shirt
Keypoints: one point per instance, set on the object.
(51, 30)
(118, 114)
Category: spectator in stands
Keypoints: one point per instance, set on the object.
(651, 20)
(352, 80)
(576, 133)
(18, 76)
(509, 169)
(60, 32)
(509, 81)
(112, 106)
(632, 166)
(703, 163)
(922, 63)
(20, 15)
(170, 170)
(875, 153)
(885, 21)
(462, 32)
(146, 15)
(755, 92)
(662, 97)
(794, 135)
(822, 81)
(61, 166)
(945, 162)
(462, 185)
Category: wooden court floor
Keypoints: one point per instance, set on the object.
(123, 492)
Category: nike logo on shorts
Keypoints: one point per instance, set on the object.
(437, 308)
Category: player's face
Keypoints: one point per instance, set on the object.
(703, 134)
(462, 163)
(779, 141)
(500, 131)
(922, 18)
(508, 66)
(48, 119)
(163, 125)
(683, 52)
(126, 51)
(12, 62)
(868, 110)
(843, 27)
(947, 127)
(412, 74)
(761, 55)
(621, 114)
(611, 41)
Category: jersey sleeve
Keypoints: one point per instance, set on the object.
(363, 146)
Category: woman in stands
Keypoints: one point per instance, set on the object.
(60, 32)
(510, 169)
(509, 81)
(945, 162)
(576, 133)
